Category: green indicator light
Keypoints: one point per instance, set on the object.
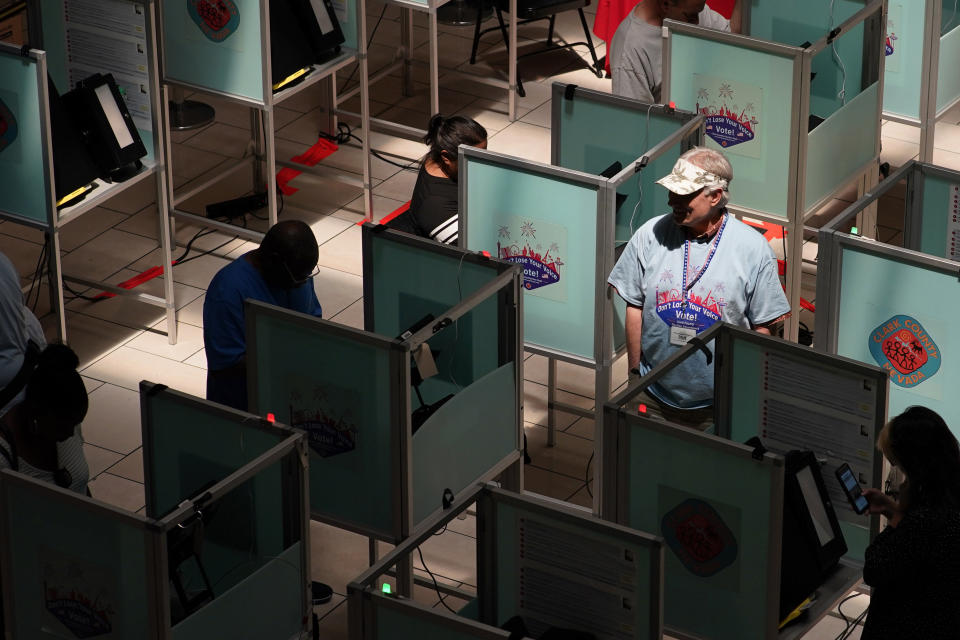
(853, 230)
(386, 588)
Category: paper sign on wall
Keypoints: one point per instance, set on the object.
(891, 47)
(538, 247)
(733, 114)
(953, 223)
(327, 414)
(79, 598)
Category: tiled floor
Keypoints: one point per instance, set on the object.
(121, 341)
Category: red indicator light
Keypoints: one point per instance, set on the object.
(271, 418)
(672, 104)
(486, 254)
(642, 408)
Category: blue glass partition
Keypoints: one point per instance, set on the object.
(672, 480)
(896, 309)
(484, 414)
(938, 206)
(796, 23)
(91, 581)
(802, 399)
(756, 87)
(555, 570)
(594, 130)
(252, 551)
(189, 444)
(405, 279)
(547, 221)
(839, 147)
(903, 66)
(215, 45)
(342, 386)
(948, 80)
(25, 188)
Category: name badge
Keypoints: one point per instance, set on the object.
(680, 336)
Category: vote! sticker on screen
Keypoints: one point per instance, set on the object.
(699, 537)
(905, 350)
(8, 126)
(218, 19)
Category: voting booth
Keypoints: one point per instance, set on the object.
(892, 308)
(720, 503)
(229, 49)
(563, 224)
(74, 40)
(387, 449)
(921, 51)
(931, 210)
(794, 103)
(547, 562)
(221, 552)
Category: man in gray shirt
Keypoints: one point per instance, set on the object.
(635, 52)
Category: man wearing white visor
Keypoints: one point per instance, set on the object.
(684, 271)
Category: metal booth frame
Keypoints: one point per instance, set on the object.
(54, 220)
(873, 17)
(262, 131)
(616, 422)
(508, 469)
(155, 531)
(605, 352)
(364, 589)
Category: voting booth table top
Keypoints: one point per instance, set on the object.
(893, 308)
(798, 121)
(722, 506)
(222, 550)
(921, 51)
(389, 443)
(54, 156)
(563, 223)
(547, 562)
(233, 49)
(931, 212)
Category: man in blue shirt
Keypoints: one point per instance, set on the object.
(682, 272)
(279, 272)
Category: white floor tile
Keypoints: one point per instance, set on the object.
(113, 420)
(118, 491)
(126, 367)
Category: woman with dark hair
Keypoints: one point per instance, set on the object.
(40, 436)
(913, 565)
(435, 206)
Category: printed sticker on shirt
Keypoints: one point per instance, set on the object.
(538, 247)
(701, 535)
(327, 415)
(79, 598)
(733, 113)
(8, 126)
(699, 312)
(217, 19)
(891, 46)
(905, 350)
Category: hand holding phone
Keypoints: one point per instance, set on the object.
(851, 488)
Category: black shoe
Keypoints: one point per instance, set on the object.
(322, 593)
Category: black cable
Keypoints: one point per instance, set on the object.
(435, 585)
(37, 275)
(345, 134)
(369, 42)
(196, 236)
(851, 625)
(586, 479)
(80, 295)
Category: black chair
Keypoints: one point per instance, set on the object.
(531, 11)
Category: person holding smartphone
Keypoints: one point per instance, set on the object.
(913, 565)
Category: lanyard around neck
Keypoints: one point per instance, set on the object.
(706, 263)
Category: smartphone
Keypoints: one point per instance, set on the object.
(848, 481)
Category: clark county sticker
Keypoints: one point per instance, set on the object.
(218, 19)
(699, 537)
(905, 350)
(78, 614)
(8, 126)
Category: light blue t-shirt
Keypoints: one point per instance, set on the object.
(740, 286)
